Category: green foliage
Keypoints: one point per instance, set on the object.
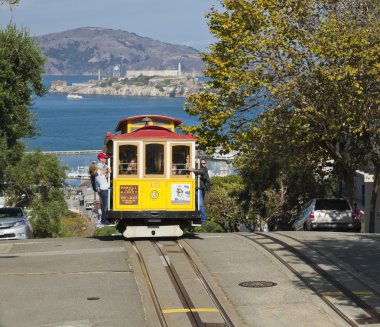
(108, 82)
(275, 185)
(35, 181)
(172, 93)
(159, 87)
(74, 225)
(34, 175)
(47, 213)
(141, 80)
(298, 79)
(223, 203)
(106, 231)
(21, 66)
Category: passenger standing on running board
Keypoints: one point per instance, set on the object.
(204, 178)
(203, 186)
(103, 182)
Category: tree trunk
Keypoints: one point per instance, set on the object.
(372, 208)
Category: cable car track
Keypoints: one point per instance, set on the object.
(149, 284)
(337, 264)
(364, 312)
(172, 256)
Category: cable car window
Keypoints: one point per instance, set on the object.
(128, 159)
(180, 159)
(154, 159)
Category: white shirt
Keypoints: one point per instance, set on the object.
(101, 178)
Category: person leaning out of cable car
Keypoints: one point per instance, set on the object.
(204, 178)
(203, 186)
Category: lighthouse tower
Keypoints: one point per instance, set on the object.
(179, 69)
(116, 71)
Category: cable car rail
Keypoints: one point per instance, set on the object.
(353, 275)
(328, 280)
(197, 305)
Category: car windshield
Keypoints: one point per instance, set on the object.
(10, 212)
(332, 204)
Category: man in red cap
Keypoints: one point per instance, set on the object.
(102, 179)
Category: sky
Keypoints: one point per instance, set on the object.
(171, 21)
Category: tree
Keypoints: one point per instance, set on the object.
(36, 175)
(36, 182)
(47, 214)
(306, 69)
(279, 180)
(223, 202)
(35, 179)
(21, 66)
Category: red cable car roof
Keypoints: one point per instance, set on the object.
(121, 122)
(153, 132)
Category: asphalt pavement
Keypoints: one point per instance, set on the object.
(86, 282)
(76, 282)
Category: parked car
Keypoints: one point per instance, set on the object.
(14, 224)
(324, 213)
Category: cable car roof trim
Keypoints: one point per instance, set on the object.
(153, 132)
(120, 124)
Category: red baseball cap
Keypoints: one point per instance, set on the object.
(102, 155)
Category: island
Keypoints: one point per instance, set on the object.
(136, 83)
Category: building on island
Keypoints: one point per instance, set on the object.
(161, 73)
(55, 84)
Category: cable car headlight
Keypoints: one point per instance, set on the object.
(154, 194)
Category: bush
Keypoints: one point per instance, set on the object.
(106, 231)
(74, 226)
(47, 215)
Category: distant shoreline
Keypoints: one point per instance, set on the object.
(153, 86)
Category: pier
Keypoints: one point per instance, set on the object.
(72, 152)
(78, 175)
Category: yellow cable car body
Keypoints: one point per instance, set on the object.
(152, 191)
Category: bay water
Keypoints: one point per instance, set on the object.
(82, 124)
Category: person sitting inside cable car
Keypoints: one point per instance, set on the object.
(132, 167)
(183, 169)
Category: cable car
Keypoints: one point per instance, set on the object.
(152, 193)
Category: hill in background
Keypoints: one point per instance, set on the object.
(84, 51)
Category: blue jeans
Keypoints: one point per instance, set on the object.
(201, 205)
(104, 199)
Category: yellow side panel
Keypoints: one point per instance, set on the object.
(153, 194)
(127, 194)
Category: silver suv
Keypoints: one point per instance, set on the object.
(326, 213)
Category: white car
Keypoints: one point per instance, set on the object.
(325, 213)
(14, 224)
